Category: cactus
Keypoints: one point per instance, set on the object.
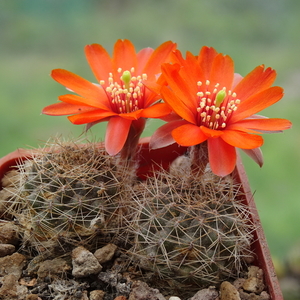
(67, 194)
(190, 231)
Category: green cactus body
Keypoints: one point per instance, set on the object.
(191, 232)
(70, 193)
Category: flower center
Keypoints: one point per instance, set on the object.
(215, 105)
(127, 93)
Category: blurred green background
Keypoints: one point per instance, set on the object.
(37, 36)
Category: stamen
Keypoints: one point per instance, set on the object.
(125, 93)
(216, 106)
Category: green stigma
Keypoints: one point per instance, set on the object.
(126, 77)
(220, 98)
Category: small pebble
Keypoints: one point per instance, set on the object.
(12, 265)
(206, 294)
(11, 289)
(121, 298)
(6, 249)
(105, 253)
(9, 233)
(54, 267)
(84, 263)
(33, 297)
(141, 291)
(228, 291)
(97, 295)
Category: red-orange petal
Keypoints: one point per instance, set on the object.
(134, 115)
(156, 111)
(99, 60)
(191, 69)
(116, 134)
(62, 109)
(143, 57)
(153, 86)
(188, 135)
(161, 55)
(183, 87)
(273, 124)
(178, 105)
(90, 117)
(256, 81)
(150, 97)
(177, 58)
(222, 72)
(162, 137)
(256, 103)
(241, 139)
(256, 155)
(206, 57)
(236, 80)
(91, 92)
(78, 100)
(124, 56)
(211, 133)
(222, 157)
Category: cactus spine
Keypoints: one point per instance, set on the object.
(69, 193)
(190, 231)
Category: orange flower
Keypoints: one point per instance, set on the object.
(218, 106)
(119, 97)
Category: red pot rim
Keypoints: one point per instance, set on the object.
(260, 245)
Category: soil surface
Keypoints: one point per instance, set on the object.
(103, 274)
